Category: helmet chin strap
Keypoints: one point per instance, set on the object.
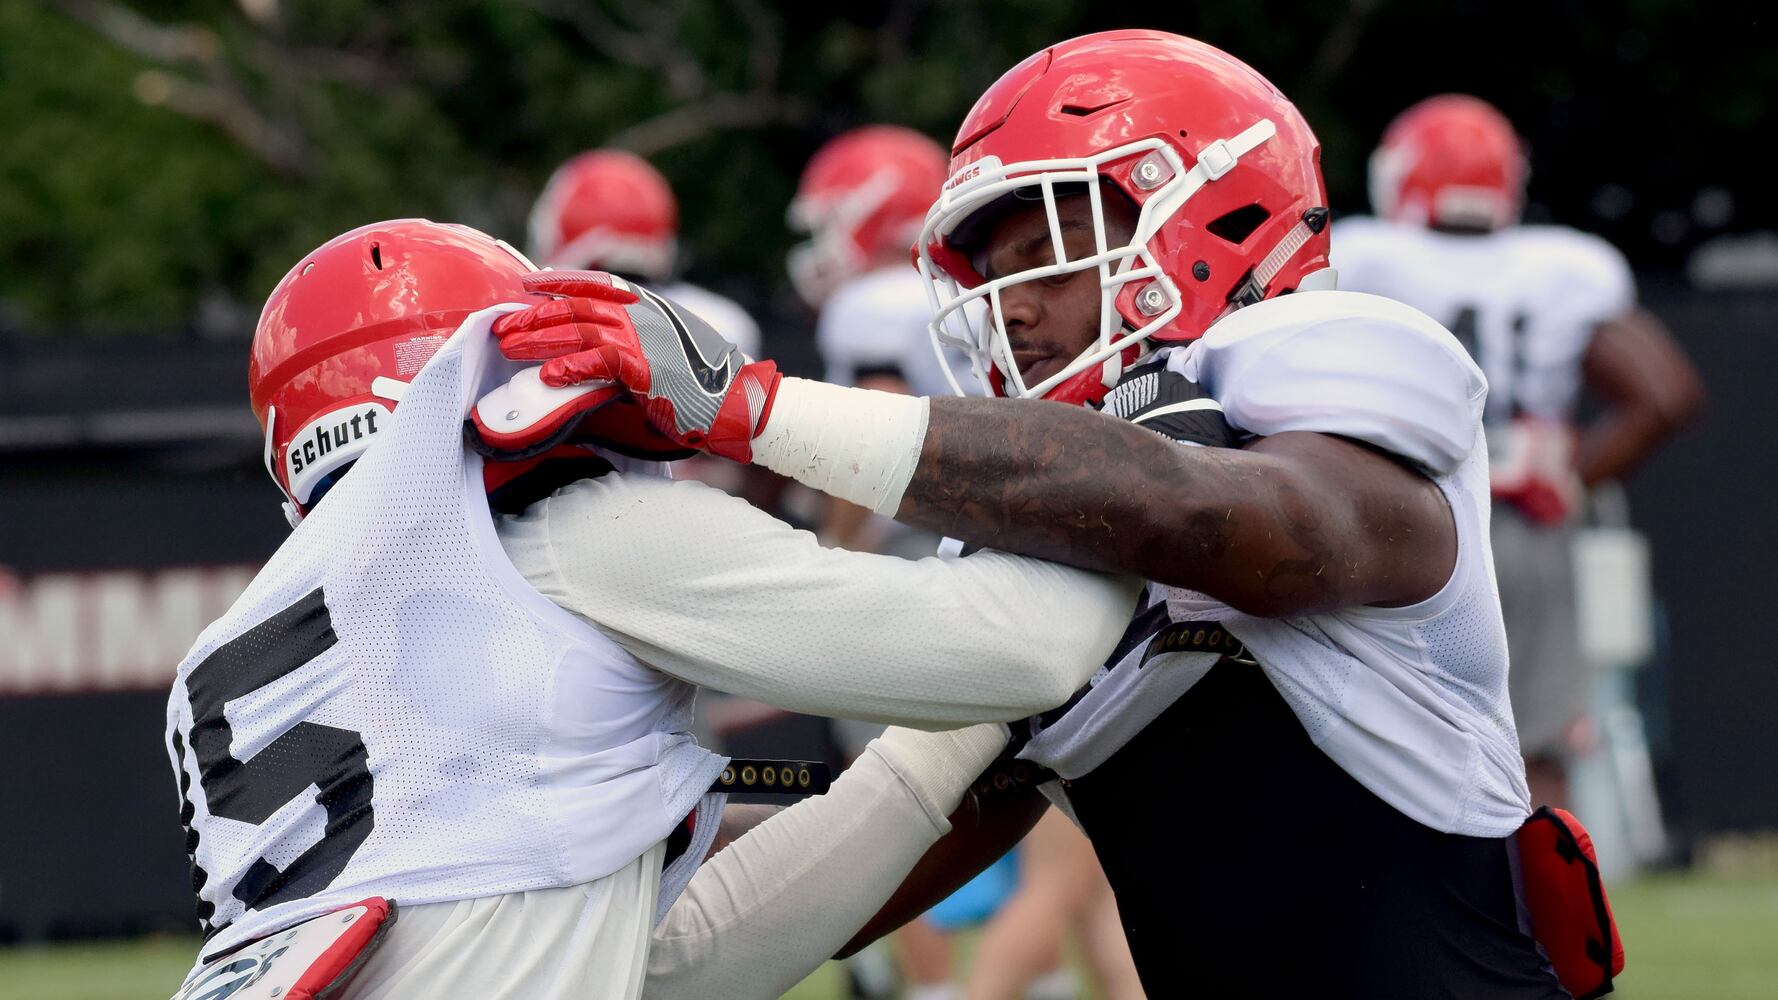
(271, 421)
(392, 389)
(291, 514)
(1113, 368)
(1090, 385)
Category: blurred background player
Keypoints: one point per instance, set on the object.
(1060, 889)
(862, 199)
(611, 210)
(1546, 311)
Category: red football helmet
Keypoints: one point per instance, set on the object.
(1222, 168)
(607, 210)
(1452, 161)
(351, 323)
(862, 197)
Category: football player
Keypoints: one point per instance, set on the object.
(465, 686)
(861, 200)
(1299, 766)
(611, 210)
(1546, 311)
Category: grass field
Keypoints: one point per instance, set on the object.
(1688, 938)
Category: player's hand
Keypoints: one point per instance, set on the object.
(1532, 468)
(696, 388)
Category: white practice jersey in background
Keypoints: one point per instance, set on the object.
(877, 322)
(1523, 301)
(389, 709)
(1412, 702)
(724, 315)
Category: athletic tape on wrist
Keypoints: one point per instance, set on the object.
(858, 445)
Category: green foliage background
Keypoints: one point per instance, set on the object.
(162, 164)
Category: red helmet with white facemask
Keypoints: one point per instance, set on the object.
(862, 197)
(355, 320)
(1450, 161)
(350, 325)
(607, 210)
(1222, 169)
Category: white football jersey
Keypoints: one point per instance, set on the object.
(390, 709)
(724, 315)
(1412, 702)
(877, 322)
(1523, 301)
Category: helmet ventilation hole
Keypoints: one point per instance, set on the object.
(1083, 110)
(376, 255)
(1236, 226)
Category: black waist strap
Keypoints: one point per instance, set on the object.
(763, 776)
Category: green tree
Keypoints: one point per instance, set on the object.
(162, 165)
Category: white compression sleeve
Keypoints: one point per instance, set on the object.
(859, 445)
(779, 901)
(709, 589)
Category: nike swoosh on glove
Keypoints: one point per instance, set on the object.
(696, 388)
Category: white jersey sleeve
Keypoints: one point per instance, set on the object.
(764, 912)
(723, 314)
(709, 589)
(1359, 366)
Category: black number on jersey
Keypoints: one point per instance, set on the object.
(330, 759)
(1503, 403)
(1464, 327)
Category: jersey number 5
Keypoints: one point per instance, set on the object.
(331, 760)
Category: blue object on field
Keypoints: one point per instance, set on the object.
(979, 898)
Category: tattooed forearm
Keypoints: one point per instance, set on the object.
(1079, 487)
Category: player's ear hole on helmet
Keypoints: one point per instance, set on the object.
(1234, 227)
(327, 482)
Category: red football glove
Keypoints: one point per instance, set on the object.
(696, 388)
(1532, 468)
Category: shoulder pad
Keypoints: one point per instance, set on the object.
(1589, 274)
(1359, 366)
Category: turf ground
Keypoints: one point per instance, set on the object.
(1687, 937)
